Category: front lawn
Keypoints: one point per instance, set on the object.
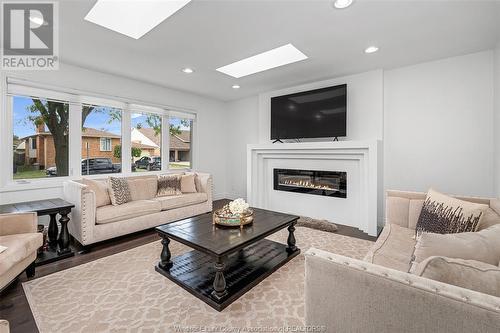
(29, 174)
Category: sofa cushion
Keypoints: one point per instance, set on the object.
(490, 218)
(482, 246)
(394, 248)
(443, 214)
(143, 188)
(468, 274)
(119, 191)
(100, 189)
(188, 183)
(19, 247)
(110, 213)
(171, 202)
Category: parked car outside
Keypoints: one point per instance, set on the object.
(149, 163)
(92, 166)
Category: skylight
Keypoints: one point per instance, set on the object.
(277, 57)
(133, 18)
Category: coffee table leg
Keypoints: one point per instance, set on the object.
(165, 262)
(53, 230)
(63, 239)
(219, 281)
(291, 239)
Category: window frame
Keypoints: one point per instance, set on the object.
(104, 143)
(77, 98)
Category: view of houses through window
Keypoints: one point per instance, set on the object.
(146, 142)
(101, 139)
(180, 143)
(40, 138)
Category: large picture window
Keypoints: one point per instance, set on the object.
(101, 139)
(146, 140)
(180, 143)
(40, 138)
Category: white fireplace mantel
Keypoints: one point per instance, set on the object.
(360, 159)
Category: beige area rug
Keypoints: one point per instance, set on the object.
(123, 293)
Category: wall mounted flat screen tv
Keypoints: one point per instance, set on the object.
(319, 113)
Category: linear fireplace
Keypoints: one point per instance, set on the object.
(327, 183)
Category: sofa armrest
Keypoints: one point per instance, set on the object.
(18, 223)
(349, 295)
(82, 221)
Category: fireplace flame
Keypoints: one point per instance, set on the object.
(307, 184)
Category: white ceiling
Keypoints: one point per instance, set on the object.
(209, 34)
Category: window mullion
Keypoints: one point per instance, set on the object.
(75, 139)
(165, 143)
(126, 141)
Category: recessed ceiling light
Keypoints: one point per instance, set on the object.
(371, 49)
(341, 4)
(277, 57)
(188, 70)
(132, 18)
(235, 86)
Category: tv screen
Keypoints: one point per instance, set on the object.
(319, 113)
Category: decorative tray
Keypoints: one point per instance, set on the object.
(225, 218)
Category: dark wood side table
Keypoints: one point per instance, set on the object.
(59, 247)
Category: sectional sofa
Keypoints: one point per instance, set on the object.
(378, 294)
(91, 223)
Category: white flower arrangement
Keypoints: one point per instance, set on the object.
(238, 206)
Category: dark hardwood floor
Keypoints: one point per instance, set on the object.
(14, 306)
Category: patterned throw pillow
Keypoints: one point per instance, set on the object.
(119, 191)
(443, 214)
(169, 185)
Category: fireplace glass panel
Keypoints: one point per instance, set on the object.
(326, 183)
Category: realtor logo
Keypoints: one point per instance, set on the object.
(29, 36)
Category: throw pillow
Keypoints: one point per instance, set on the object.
(481, 246)
(169, 185)
(187, 183)
(443, 214)
(468, 274)
(490, 218)
(143, 188)
(100, 189)
(119, 191)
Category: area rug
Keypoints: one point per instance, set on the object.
(123, 293)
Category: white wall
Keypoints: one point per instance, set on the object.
(250, 119)
(364, 105)
(242, 126)
(439, 126)
(497, 119)
(210, 141)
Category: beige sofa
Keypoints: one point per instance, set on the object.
(19, 234)
(378, 295)
(90, 224)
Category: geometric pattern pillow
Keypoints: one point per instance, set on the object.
(119, 191)
(443, 214)
(169, 185)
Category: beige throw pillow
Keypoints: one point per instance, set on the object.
(482, 246)
(169, 185)
(143, 188)
(119, 191)
(100, 189)
(188, 183)
(468, 274)
(443, 214)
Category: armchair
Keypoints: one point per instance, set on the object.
(18, 232)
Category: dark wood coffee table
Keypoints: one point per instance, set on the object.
(226, 262)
